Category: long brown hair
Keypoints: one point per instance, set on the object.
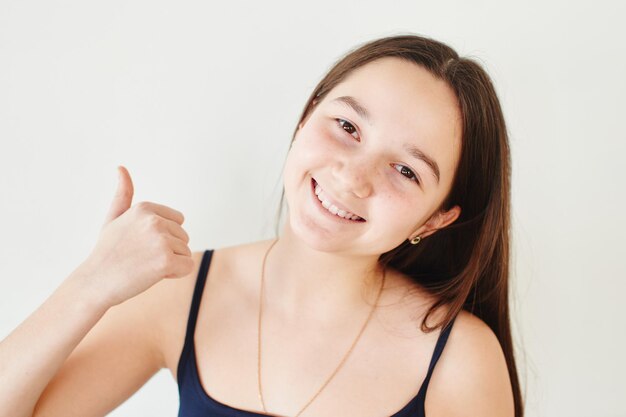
(465, 265)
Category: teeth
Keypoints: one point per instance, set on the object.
(332, 208)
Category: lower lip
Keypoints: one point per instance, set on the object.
(327, 213)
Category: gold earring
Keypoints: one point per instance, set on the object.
(416, 240)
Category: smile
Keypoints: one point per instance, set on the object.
(331, 207)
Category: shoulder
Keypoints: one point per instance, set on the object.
(225, 261)
(236, 268)
(170, 299)
(165, 307)
(471, 377)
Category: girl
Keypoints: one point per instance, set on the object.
(396, 245)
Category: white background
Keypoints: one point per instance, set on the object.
(199, 99)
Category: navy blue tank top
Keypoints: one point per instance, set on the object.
(196, 402)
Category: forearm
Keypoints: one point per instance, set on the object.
(33, 353)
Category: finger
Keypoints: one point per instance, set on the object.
(123, 196)
(165, 211)
(176, 230)
(178, 246)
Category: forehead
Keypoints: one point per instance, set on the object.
(403, 90)
(406, 102)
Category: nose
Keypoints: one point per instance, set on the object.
(354, 177)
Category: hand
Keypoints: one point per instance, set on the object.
(138, 246)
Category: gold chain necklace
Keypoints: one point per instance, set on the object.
(342, 361)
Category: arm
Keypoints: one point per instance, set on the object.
(42, 343)
(116, 358)
(110, 354)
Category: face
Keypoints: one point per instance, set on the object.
(382, 145)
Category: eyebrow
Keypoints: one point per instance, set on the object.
(356, 106)
(418, 154)
(414, 151)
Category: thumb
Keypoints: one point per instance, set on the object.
(123, 195)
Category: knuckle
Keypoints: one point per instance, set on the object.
(163, 243)
(142, 206)
(154, 221)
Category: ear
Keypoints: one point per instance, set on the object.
(438, 221)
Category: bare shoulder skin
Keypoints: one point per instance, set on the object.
(298, 356)
(471, 377)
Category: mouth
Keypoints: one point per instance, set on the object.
(330, 209)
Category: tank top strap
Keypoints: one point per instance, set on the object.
(441, 342)
(193, 311)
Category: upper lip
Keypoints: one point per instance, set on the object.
(334, 201)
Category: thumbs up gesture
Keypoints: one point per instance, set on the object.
(137, 247)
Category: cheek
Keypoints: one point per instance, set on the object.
(314, 143)
(324, 135)
(401, 212)
(308, 152)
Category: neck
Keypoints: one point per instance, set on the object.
(307, 283)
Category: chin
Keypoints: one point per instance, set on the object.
(313, 236)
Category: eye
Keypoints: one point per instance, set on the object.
(348, 127)
(404, 170)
